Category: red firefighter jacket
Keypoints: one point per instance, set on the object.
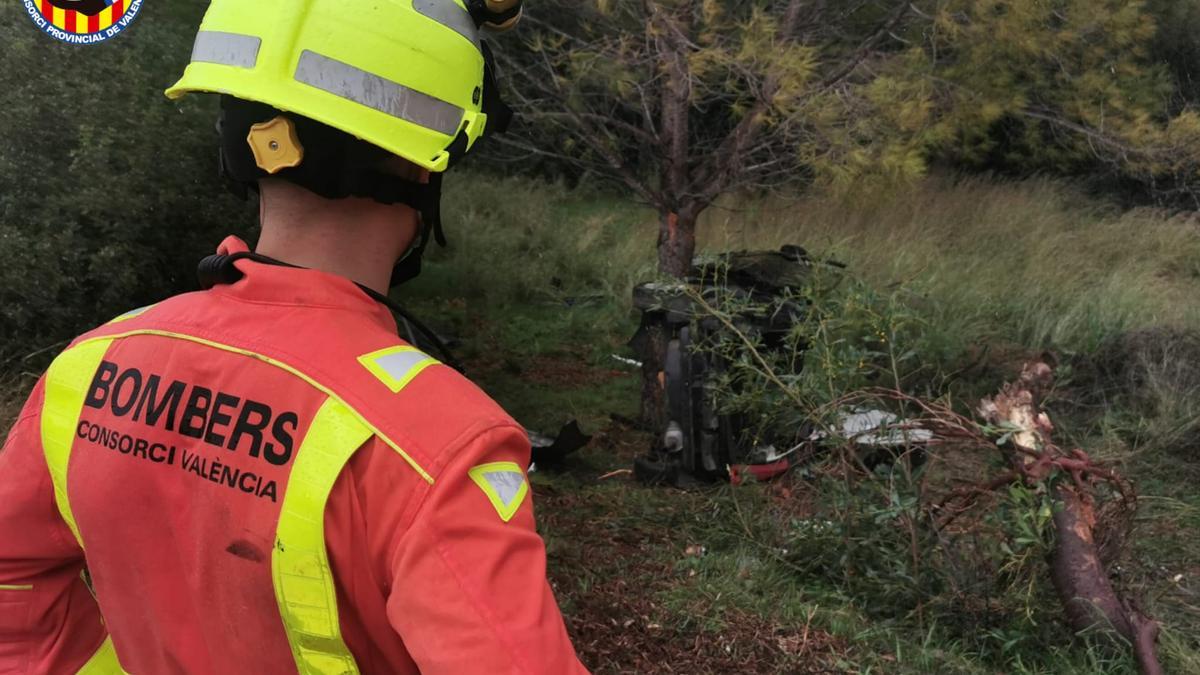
(262, 478)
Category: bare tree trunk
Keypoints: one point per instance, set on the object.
(1079, 576)
(676, 246)
(677, 227)
(1082, 582)
(676, 243)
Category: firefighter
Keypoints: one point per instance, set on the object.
(261, 477)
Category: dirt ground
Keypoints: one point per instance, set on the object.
(612, 564)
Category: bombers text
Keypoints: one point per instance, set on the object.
(214, 417)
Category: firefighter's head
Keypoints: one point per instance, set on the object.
(350, 98)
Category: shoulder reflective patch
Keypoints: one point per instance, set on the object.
(132, 314)
(504, 484)
(397, 366)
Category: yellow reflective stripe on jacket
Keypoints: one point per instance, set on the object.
(304, 584)
(67, 382)
(103, 662)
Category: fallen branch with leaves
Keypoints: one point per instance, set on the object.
(1085, 494)
(1079, 575)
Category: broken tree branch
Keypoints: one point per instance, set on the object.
(1079, 576)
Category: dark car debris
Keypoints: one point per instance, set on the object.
(550, 451)
(694, 442)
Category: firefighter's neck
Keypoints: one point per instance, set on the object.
(354, 238)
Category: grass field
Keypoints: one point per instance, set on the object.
(656, 580)
(535, 287)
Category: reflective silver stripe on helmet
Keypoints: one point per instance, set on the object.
(450, 15)
(373, 91)
(226, 49)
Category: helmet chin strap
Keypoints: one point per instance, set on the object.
(430, 215)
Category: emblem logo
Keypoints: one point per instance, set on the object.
(82, 22)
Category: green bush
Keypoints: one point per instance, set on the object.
(1175, 43)
(108, 192)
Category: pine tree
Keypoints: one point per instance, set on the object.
(1060, 86)
(682, 101)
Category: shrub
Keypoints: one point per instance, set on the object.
(108, 192)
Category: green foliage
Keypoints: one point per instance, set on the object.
(108, 209)
(1067, 86)
(845, 336)
(870, 538)
(514, 241)
(977, 280)
(978, 274)
(856, 337)
(894, 106)
(108, 192)
(875, 529)
(1176, 45)
(593, 81)
(992, 266)
(1063, 86)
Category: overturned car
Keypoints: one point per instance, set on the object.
(695, 441)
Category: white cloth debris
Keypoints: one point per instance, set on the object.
(876, 428)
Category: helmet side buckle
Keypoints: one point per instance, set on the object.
(275, 145)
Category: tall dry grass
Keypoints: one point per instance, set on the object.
(514, 241)
(1035, 262)
(992, 268)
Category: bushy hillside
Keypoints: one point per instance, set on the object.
(109, 192)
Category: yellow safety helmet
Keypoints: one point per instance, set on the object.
(408, 76)
(318, 92)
